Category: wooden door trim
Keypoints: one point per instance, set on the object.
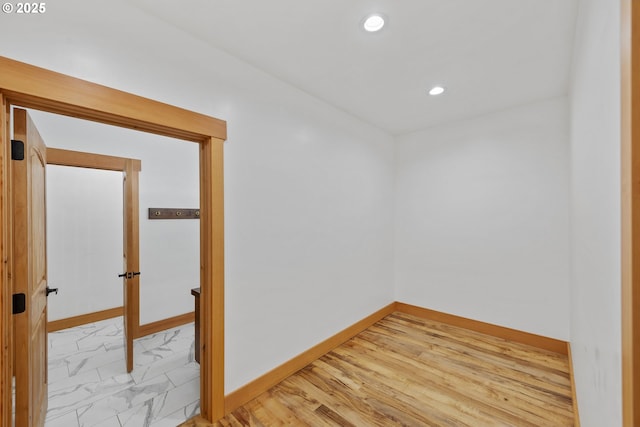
(164, 324)
(57, 93)
(130, 168)
(132, 251)
(83, 319)
(630, 199)
(28, 86)
(6, 253)
(78, 159)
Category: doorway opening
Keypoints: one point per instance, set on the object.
(84, 245)
(32, 87)
(161, 359)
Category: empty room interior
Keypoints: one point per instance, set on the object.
(447, 185)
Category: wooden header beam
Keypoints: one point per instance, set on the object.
(78, 159)
(41, 89)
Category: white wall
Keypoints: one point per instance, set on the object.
(595, 214)
(84, 240)
(308, 189)
(482, 218)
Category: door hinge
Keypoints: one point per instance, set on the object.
(19, 303)
(17, 149)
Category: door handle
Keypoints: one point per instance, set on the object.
(52, 291)
(129, 274)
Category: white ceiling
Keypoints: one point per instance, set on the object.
(490, 54)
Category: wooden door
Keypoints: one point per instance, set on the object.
(131, 280)
(130, 285)
(29, 275)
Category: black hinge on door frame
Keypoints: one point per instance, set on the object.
(17, 149)
(19, 303)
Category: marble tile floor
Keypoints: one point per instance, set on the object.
(89, 385)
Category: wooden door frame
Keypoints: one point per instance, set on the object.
(33, 87)
(630, 198)
(130, 168)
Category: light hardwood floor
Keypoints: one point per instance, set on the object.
(409, 371)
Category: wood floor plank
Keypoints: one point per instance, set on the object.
(362, 401)
(297, 394)
(462, 364)
(410, 371)
(470, 367)
(521, 370)
(245, 418)
(345, 398)
(274, 412)
(484, 394)
(491, 346)
(498, 347)
(431, 388)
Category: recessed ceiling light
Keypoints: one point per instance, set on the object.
(374, 23)
(436, 90)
